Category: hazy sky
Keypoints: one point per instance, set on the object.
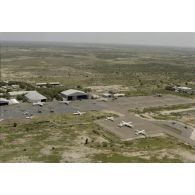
(142, 38)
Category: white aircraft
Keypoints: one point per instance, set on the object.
(140, 132)
(127, 124)
(38, 104)
(1, 119)
(29, 117)
(111, 118)
(78, 113)
(103, 99)
(65, 102)
(26, 113)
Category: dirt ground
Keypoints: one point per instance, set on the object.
(108, 88)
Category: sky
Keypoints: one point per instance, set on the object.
(178, 39)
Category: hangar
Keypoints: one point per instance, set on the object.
(73, 94)
(34, 96)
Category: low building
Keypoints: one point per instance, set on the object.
(183, 89)
(3, 102)
(73, 94)
(107, 95)
(16, 93)
(41, 84)
(15, 86)
(54, 84)
(94, 96)
(116, 95)
(13, 101)
(34, 96)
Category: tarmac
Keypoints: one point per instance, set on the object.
(121, 106)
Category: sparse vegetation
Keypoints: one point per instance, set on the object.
(56, 138)
(145, 70)
(68, 138)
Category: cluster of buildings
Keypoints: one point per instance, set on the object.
(34, 96)
(67, 95)
(9, 87)
(4, 101)
(44, 85)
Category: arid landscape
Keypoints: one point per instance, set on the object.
(144, 75)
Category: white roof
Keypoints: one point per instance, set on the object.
(13, 101)
(41, 83)
(119, 94)
(34, 96)
(3, 100)
(184, 88)
(54, 83)
(107, 94)
(73, 92)
(15, 93)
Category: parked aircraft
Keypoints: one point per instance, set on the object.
(127, 124)
(29, 117)
(78, 113)
(26, 113)
(103, 99)
(65, 102)
(38, 104)
(1, 119)
(111, 118)
(140, 132)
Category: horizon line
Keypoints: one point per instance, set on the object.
(100, 43)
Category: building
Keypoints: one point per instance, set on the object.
(50, 84)
(73, 94)
(41, 84)
(94, 96)
(183, 89)
(116, 95)
(107, 95)
(54, 84)
(34, 96)
(15, 86)
(16, 93)
(3, 102)
(13, 101)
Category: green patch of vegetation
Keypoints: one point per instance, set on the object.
(21, 98)
(52, 93)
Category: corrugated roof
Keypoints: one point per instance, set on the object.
(72, 92)
(34, 96)
(4, 100)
